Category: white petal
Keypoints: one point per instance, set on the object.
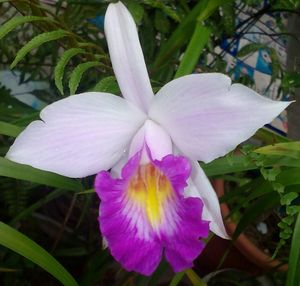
(207, 118)
(200, 187)
(158, 141)
(127, 56)
(79, 135)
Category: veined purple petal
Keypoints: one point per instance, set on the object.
(145, 213)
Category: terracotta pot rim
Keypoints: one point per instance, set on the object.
(245, 245)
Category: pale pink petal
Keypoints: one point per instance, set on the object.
(200, 187)
(156, 138)
(207, 118)
(127, 56)
(79, 135)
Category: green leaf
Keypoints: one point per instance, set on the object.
(16, 21)
(38, 41)
(290, 149)
(194, 278)
(194, 50)
(136, 10)
(251, 48)
(210, 8)
(291, 176)
(77, 73)
(75, 251)
(291, 79)
(256, 209)
(171, 12)
(270, 174)
(270, 137)
(18, 242)
(288, 198)
(293, 276)
(231, 164)
(292, 210)
(183, 32)
(276, 68)
(177, 279)
(229, 19)
(9, 129)
(23, 172)
(159, 272)
(108, 84)
(28, 211)
(288, 220)
(161, 22)
(180, 36)
(61, 65)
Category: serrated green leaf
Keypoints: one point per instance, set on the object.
(284, 235)
(288, 198)
(18, 242)
(77, 73)
(38, 41)
(107, 84)
(9, 129)
(61, 65)
(293, 277)
(16, 21)
(292, 210)
(270, 174)
(288, 220)
(23, 172)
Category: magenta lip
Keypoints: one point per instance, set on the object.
(132, 241)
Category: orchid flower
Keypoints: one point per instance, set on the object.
(156, 199)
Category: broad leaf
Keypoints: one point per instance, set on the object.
(23, 172)
(18, 242)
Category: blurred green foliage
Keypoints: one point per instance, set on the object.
(58, 42)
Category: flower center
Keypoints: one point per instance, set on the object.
(151, 189)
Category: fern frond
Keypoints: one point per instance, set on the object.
(38, 41)
(107, 84)
(61, 65)
(77, 73)
(16, 21)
